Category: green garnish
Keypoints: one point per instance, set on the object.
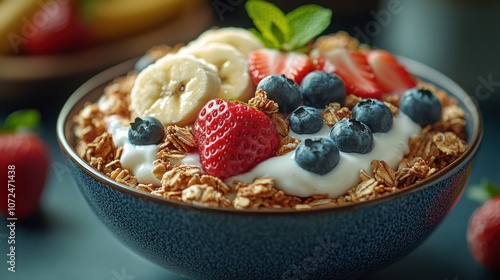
(27, 118)
(287, 32)
(483, 191)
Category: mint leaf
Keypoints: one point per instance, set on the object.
(277, 33)
(484, 191)
(270, 21)
(305, 23)
(28, 118)
(264, 41)
(290, 32)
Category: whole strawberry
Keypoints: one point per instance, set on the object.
(24, 165)
(62, 30)
(233, 137)
(483, 234)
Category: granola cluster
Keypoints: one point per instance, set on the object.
(433, 149)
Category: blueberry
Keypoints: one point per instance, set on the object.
(374, 113)
(318, 155)
(321, 88)
(421, 106)
(282, 90)
(143, 62)
(146, 131)
(306, 120)
(352, 136)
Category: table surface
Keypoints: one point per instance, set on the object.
(67, 241)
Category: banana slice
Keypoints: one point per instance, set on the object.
(232, 66)
(174, 89)
(240, 38)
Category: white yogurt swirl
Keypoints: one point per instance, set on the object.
(294, 180)
(136, 158)
(289, 176)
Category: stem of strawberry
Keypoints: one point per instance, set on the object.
(483, 191)
(26, 119)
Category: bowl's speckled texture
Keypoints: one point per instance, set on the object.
(338, 243)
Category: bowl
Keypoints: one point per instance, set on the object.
(213, 243)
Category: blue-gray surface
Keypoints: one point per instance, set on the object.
(67, 241)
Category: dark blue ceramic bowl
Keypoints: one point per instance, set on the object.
(208, 243)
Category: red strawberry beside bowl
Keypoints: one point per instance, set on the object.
(24, 162)
(483, 233)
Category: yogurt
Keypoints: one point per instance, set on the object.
(292, 179)
(289, 176)
(138, 159)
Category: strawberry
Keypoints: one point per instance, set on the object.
(233, 137)
(265, 62)
(483, 234)
(63, 30)
(391, 76)
(352, 67)
(24, 163)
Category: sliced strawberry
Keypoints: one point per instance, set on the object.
(233, 137)
(265, 62)
(352, 67)
(389, 73)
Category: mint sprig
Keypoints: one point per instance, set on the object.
(483, 191)
(27, 118)
(287, 32)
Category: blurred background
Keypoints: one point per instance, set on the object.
(49, 48)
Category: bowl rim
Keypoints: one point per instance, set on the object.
(419, 69)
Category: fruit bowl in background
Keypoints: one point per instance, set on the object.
(23, 75)
(213, 243)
